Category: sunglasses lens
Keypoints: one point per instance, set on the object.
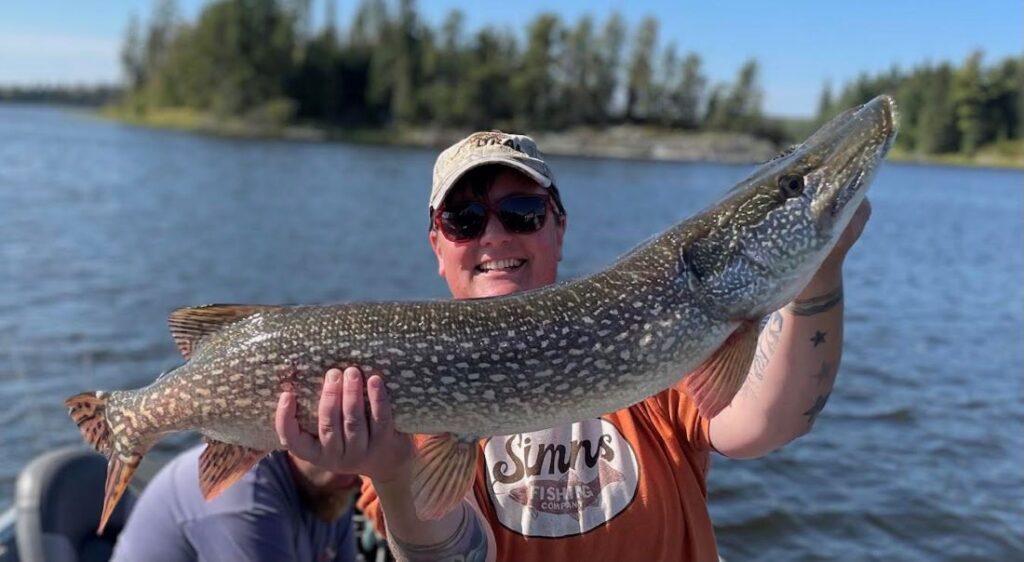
(463, 223)
(522, 214)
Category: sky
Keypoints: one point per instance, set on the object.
(800, 44)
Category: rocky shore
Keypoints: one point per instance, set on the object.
(628, 142)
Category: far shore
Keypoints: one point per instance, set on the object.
(620, 141)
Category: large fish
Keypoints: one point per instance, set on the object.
(687, 301)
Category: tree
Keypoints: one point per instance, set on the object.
(1003, 100)
(535, 86)
(664, 107)
(825, 102)
(443, 69)
(133, 55)
(690, 92)
(936, 129)
(969, 97)
(639, 89)
(582, 101)
(162, 30)
(370, 23)
(740, 108)
(609, 53)
(488, 99)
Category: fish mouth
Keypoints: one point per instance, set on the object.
(506, 265)
(850, 148)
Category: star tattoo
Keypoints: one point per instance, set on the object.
(825, 374)
(816, 409)
(819, 337)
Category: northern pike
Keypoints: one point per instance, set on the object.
(689, 300)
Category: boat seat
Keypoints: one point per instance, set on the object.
(58, 500)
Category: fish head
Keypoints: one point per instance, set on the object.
(761, 243)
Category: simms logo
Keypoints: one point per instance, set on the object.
(562, 481)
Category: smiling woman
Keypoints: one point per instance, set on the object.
(520, 249)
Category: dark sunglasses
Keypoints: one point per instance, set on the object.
(519, 214)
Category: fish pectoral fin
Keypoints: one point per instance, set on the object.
(222, 464)
(714, 384)
(190, 325)
(444, 473)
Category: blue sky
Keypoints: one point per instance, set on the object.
(800, 44)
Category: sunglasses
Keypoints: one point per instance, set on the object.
(519, 214)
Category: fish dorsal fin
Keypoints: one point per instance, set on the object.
(190, 325)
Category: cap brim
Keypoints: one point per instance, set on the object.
(536, 176)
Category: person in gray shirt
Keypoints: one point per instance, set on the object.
(282, 510)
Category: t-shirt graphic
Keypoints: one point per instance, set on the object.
(562, 481)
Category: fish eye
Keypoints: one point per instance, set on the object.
(791, 185)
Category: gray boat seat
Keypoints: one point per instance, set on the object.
(58, 499)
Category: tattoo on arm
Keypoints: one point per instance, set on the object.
(825, 374)
(816, 305)
(467, 543)
(819, 405)
(766, 344)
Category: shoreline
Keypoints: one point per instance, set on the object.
(627, 142)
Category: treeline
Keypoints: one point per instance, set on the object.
(66, 95)
(945, 108)
(263, 62)
(261, 59)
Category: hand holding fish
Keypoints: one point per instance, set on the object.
(829, 276)
(350, 440)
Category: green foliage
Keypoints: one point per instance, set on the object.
(259, 61)
(739, 108)
(970, 100)
(640, 90)
(536, 84)
(946, 109)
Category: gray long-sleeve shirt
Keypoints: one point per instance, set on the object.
(259, 518)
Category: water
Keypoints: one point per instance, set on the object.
(105, 228)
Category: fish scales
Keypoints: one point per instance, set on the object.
(580, 335)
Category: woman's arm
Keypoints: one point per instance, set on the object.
(794, 368)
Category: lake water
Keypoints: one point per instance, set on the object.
(919, 455)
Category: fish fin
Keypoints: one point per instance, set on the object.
(444, 473)
(89, 411)
(714, 384)
(222, 464)
(191, 324)
(119, 474)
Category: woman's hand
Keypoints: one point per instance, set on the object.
(830, 275)
(348, 441)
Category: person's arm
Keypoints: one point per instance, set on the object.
(797, 358)
(352, 443)
(460, 535)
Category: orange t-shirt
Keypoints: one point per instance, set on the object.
(629, 485)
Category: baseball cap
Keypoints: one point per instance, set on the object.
(491, 147)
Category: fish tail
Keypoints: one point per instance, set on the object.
(89, 410)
